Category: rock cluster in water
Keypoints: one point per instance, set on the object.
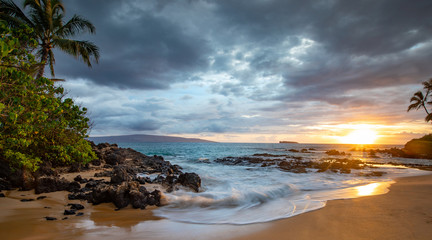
(296, 164)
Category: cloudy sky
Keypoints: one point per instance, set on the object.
(253, 70)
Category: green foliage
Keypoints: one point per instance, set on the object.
(36, 122)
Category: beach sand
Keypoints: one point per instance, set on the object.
(403, 213)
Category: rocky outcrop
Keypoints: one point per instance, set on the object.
(419, 148)
(124, 187)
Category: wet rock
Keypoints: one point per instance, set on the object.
(79, 214)
(76, 206)
(50, 218)
(154, 198)
(191, 180)
(69, 212)
(138, 199)
(334, 152)
(120, 197)
(41, 197)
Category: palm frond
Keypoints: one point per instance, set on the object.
(75, 25)
(427, 84)
(415, 106)
(428, 117)
(78, 49)
(12, 14)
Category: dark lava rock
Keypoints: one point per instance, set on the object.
(51, 184)
(115, 158)
(78, 178)
(69, 212)
(27, 200)
(76, 206)
(333, 152)
(191, 180)
(120, 197)
(41, 197)
(78, 196)
(46, 169)
(101, 194)
(73, 187)
(96, 162)
(103, 174)
(80, 214)
(138, 199)
(50, 218)
(2, 195)
(5, 184)
(65, 218)
(120, 175)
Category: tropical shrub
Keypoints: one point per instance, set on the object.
(37, 122)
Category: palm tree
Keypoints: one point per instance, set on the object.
(418, 100)
(46, 18)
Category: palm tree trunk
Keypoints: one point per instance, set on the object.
(43, 60)
(425, 100)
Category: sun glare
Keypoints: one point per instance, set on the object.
(360, 136)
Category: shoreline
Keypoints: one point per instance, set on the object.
(405, 212)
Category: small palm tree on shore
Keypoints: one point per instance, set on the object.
(46, 19)
(420, 100)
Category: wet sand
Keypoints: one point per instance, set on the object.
(403, 213)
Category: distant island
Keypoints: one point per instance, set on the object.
(143, 138)
(287, 142)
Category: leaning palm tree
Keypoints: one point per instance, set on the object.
(46, 18)
(420, 100)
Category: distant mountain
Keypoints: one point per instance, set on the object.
(143, 138)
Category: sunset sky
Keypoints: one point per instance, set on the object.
(254, 70)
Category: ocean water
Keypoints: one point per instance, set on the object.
(244, 194)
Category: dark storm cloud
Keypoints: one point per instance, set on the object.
(138, 49)
(362, 44)
(150, 45)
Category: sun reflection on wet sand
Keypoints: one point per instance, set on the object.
(373, 189)
(367, 189)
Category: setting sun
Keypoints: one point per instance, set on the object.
(360, 136)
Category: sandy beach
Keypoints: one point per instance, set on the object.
(403, 213)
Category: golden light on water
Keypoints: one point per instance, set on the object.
(367, 190)
(360, 136)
